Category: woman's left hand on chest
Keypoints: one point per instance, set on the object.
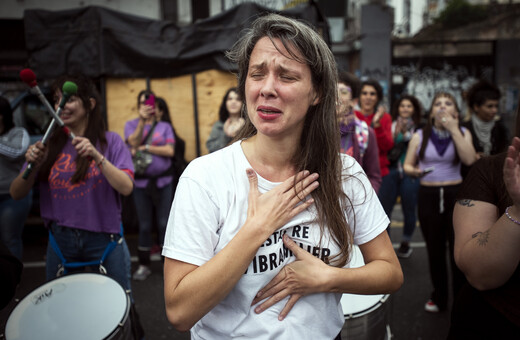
(299, 278)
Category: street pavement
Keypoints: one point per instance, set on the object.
(404, 310)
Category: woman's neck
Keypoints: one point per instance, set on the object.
(78, 130)
(438, 126)
(271, 159)
(234, 117)
(366, 112)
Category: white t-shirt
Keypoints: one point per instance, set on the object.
(209, 208)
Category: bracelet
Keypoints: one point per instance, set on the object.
(101, 162)
(147, 147)
(511, 217)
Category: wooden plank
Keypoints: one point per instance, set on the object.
(212, 85)
(121, 97)
(178, 94)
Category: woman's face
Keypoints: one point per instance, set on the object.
(344, 99)
(74, 113)
(279, 90)
(444, 104)
(368, 98)
(487, 111)
(233, 104)
(158, 113)
(344, 111)
(406, 109)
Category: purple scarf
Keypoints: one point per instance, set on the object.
(441, 140)
(346, 130)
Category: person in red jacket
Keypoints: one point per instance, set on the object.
(375, 116)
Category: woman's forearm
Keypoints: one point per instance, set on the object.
(117, 178)
(203, 288)
(490, 257)
(135, 138)
(21, 187)
(464, 148)
(162, 150)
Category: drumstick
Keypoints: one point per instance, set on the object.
(28, 77)
(68, 89)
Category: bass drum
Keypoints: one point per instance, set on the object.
(74, 307)
(365, 315)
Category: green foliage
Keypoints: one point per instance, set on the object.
(460, 12)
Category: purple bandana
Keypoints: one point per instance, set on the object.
(440, 140)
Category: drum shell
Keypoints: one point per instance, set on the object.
(366, 316)
(80, 306)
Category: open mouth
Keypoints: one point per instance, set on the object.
(268, 113)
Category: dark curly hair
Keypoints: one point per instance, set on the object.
(481, 91)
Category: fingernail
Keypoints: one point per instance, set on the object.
(249, 172)
(280, 317)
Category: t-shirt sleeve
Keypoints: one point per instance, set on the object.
(119, 155)
(366, 217)
(191, 232)
(478, 185)
(170, 137)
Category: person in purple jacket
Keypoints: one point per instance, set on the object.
(357, 138)
(154, 188)
(435, 154)
(81, 181)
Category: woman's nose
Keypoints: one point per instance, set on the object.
(268, 86)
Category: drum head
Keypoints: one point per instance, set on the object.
(80, 307)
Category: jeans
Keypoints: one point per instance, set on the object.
(393, 185)
(146, 205)
(79, 245)
(12, 219)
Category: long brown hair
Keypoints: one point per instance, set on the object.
(95, 130)
(319, 143)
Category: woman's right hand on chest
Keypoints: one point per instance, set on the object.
(273, 209)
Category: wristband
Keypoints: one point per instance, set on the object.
(147, 147)
(511, 217)
(101, 162)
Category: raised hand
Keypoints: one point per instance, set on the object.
(512, 171)
(84, 147)
(36, 153)
(146, 111)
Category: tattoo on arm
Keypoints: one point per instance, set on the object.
(482, 237)
(466, 203)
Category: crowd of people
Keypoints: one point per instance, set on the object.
(302, 156)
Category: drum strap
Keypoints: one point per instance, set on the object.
(66, 265)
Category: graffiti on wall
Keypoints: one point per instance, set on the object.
(424, 82)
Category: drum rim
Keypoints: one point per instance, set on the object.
(368, 310)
